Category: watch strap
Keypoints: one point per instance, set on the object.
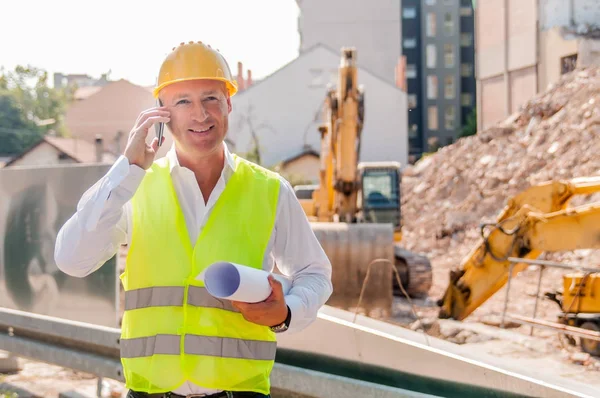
(283, 326)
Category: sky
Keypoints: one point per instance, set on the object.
(130, 38)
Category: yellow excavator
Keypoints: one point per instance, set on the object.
(535, 221)
(361, 196)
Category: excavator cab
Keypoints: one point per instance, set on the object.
(379, 198)
(304, 193)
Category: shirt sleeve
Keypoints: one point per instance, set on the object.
(99, 226)
(299, 255)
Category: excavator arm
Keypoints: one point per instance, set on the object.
(535, 221)
(340, 144)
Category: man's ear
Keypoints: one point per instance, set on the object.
(229, 106)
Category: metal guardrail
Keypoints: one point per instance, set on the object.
(543, 264)
(95, 349)
(373, 362)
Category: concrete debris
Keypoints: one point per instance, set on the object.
(469, 337)
(581, 358)
(449, 332)
(448, 194)
(9, 363)
(496, 320)
(429, 325)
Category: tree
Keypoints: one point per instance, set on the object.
(29, 108)
(470, 126)
(247, 120)
(16, 131)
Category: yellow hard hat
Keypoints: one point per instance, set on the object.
(192, 61)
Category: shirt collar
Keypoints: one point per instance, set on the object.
(174, 161)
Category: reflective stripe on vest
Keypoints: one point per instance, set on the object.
(173, 331)
(172, 296)
(169, 344)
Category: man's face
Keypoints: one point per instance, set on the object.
(199, 115)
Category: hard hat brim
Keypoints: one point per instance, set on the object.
(232, 87)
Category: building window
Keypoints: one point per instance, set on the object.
(410, 42)
(466, 99)
(430, 26)
(466, 39)
(409, 13)
(411, 71)
(432, 87)
(431, 56)
(449, 118)
(568, 63)
(449, 87)
(466, 70)
(430, 2)
(466, 11)
(432, 117)
(448, 24)
(413, 131)
(448, 55)
(412, 101)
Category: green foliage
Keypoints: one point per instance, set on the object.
(5, 393)
(470, 126)
(29, 108)
(16, 131)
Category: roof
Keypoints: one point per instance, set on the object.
(86, 91)
(309, 50)
(78, 150)
(305, 152)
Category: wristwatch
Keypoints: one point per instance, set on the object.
(283, 326)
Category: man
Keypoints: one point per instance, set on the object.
(197, 205)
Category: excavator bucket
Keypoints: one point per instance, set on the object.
(355, 250)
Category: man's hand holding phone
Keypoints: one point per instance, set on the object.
(138, 151)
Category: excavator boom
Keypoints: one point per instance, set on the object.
(340, 144)
(355, 209)
(535, 221)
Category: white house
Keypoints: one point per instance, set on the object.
(285, 109)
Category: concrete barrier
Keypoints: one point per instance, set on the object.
(390, 355)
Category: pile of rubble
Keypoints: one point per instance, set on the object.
(447, 195)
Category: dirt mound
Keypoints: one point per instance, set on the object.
(448, 194)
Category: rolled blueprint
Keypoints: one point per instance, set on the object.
(236, 282)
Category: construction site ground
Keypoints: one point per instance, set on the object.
(447, 195)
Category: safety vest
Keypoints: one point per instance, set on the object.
(172, 329)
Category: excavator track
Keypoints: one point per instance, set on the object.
(415, 273)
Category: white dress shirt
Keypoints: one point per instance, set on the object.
(103, 220)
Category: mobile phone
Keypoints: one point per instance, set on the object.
(159, 128)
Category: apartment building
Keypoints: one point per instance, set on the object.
(439, 50)
(523, 46)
